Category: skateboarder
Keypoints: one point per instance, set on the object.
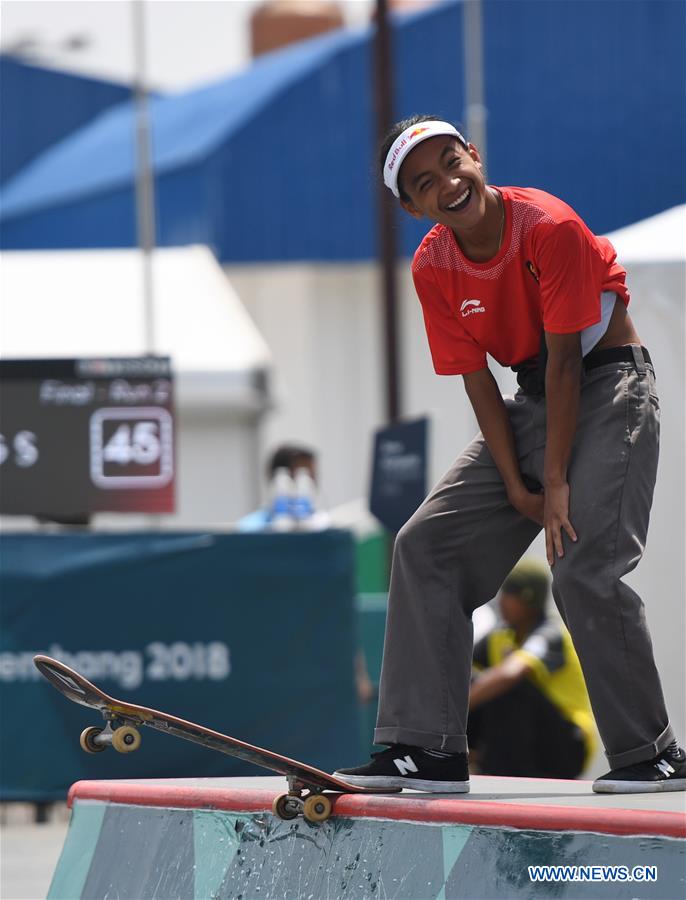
(515, 273)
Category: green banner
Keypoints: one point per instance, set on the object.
(252, 635)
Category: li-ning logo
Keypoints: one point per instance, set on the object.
(405, 765)
(400, 146)
(469, 307)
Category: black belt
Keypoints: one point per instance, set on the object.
(531, 372)
(614, 355)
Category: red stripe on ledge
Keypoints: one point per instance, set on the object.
(436, 810)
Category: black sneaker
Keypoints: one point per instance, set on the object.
(665, 772)
(401, 766)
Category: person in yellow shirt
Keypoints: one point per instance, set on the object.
(528, 682)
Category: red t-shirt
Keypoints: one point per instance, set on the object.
(548, 274)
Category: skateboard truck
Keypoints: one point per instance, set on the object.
(123, 738)
(315, 806)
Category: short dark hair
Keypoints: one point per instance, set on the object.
(530, 581)
(393, 136)
(286, 455)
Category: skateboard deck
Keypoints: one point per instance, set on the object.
(306, 783)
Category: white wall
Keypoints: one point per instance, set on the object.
(657, 308)
(217, 467)
(323, 326)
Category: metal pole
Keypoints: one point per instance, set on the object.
(386, 233)
(145, 187)
(476, 113)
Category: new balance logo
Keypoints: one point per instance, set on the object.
(469, 307)
(662, 765)
(405, 765)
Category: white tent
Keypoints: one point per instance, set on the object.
(654, 253)
(90, 303)
(657, 240)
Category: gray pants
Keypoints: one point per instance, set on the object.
(458, 547)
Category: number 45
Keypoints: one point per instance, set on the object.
(139, 445)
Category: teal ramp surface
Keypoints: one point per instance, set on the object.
(139, 852)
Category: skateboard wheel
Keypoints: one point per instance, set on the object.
(86, 740)
(317, 808)
(126, 739)
(286, 807)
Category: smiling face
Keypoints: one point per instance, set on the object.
(443, 180)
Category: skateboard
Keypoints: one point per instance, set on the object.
(306, 784)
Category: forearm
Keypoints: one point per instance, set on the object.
(562, 386)
(487, 687)
(494, 422)
(496, 681)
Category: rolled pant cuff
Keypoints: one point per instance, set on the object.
(428, 740)
(640, 754)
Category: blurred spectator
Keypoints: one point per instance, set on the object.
(299, 464)
(529, 683)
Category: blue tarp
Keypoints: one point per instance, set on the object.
(278, 163)
(187, 128)
(39, 107)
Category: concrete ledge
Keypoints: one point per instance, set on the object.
(221, 794)
(216, 837)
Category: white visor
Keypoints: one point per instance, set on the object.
(407, 141)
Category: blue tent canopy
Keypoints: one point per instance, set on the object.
(278, 162)
(186, 129)
(41, 106)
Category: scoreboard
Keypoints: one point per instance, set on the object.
(79, 436)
